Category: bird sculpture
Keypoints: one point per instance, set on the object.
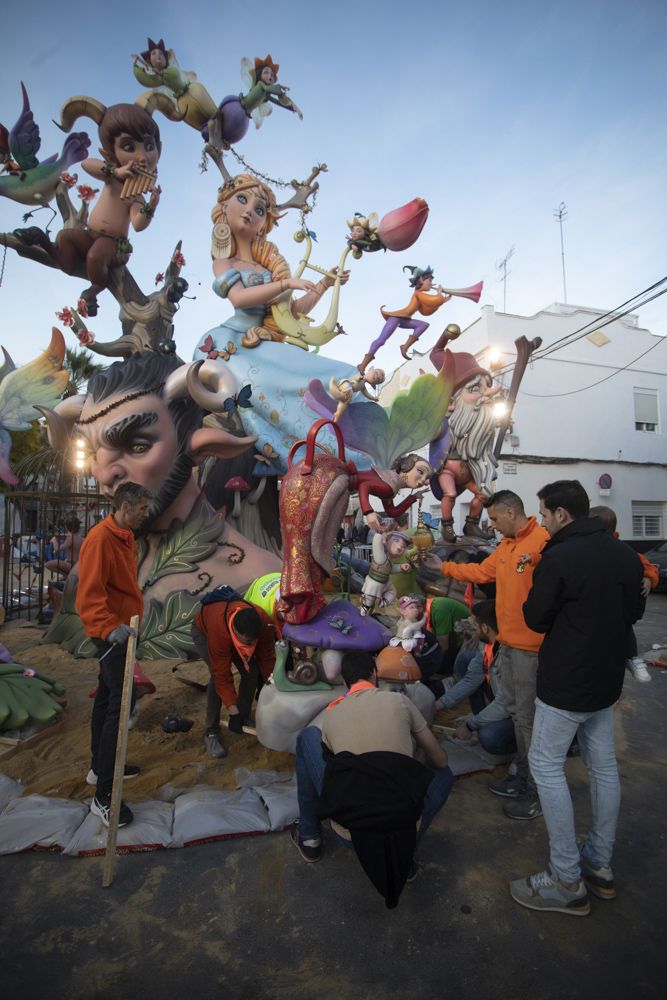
(39, 383)
(24, 178)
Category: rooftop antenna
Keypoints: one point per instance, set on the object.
(501, 265)
(560, 213)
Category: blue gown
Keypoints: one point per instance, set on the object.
(278, 373)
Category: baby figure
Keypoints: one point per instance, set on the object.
(409, 628)
(344, 389)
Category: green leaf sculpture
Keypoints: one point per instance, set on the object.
(166, 630)
(186, 545)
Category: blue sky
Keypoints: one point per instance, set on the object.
(494, 113)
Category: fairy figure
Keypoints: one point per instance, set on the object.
(422, 301)
(363, 236)
(157, 68)
(235, 111)
(262, 79)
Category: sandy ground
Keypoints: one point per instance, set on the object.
(58, 763)
(247, 919)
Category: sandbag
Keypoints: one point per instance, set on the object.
(206, 814)
(9, 789)
(281, 802)
(150, 830)
(37, 822)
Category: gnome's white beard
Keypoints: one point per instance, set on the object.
(473, 428)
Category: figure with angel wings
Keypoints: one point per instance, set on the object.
(263, 93)
(184, 98)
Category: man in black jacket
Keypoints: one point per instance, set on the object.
(585, 597)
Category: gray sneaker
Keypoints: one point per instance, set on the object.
(214, 747)
(599, 881)
(545, 891)
(509, 788)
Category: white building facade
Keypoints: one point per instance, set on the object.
(593, 410)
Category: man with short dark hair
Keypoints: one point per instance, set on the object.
(519, 644)
(107, 597)
(233, 633)
(358, 728)
(585, 598)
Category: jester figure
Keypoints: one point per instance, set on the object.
(422, 301)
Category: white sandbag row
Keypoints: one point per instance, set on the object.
(196, 816)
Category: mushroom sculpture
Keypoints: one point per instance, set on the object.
(297, 695)
(239, 485)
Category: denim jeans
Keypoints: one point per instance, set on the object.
(106, 713)
(310, 767)
(498, 737)
(553, 732)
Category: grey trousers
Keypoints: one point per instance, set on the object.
(518, 677)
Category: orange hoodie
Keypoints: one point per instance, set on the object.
(108, 593)
(511, 587)
(222, 650)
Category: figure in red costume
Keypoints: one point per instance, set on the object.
(314, 495)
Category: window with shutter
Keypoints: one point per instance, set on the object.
(646, 410)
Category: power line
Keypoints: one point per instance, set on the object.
(609, 317)
(573, 392)
(599, 322)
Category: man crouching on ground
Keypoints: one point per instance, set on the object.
(372, 785)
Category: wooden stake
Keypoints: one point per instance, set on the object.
(121, 752)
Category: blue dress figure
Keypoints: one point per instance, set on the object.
(250, 272)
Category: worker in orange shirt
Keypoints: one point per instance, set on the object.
(107, 597)
(513, 578)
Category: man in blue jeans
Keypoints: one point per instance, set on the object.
(363, 721)
(586, 595)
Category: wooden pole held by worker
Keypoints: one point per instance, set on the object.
(121, 753)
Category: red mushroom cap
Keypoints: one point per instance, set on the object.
(237, 483)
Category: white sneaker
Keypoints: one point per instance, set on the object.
(638, 669)
(131, 771)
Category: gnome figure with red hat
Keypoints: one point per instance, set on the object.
(463, 456)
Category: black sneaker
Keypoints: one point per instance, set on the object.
(527, 806)
(131, 771)
(237, 723)
(509, 788)
(308, 851)
(415, 869)
(101, 806)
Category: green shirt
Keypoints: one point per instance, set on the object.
(445, 612)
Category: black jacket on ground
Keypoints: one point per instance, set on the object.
(379, 797)
(585, 597)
